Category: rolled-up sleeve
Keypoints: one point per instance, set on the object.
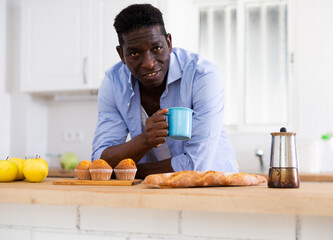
(111, 129)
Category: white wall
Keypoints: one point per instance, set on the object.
(315, 69)
(4, 94)
(78, 115)
(314, 72)
(28, 115)
(180, 21)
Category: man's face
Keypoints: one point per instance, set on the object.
(146, 52)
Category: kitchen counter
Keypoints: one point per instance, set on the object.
(305, 177)
(36, 211)
(310, 199)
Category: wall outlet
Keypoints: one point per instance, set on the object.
(73, 135)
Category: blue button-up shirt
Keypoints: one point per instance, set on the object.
(192, 82)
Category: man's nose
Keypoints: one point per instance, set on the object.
(148, 60)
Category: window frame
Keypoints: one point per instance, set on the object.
(240, 82)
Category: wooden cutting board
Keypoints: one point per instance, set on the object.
(112, 182)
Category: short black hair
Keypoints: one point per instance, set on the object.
(138, 16)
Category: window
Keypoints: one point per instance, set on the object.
(248, 40)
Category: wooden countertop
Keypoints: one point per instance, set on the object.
(59, 172)
(311, 198)
(313, 177)
(307, 177)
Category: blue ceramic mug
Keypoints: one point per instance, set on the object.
(180, 123)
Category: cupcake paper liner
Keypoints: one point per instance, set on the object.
(100, 174)
(125, 174)
(82, 174)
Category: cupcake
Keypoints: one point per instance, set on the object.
(125, 170)
(82, 170)
(100, 170)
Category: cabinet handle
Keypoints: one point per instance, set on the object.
(84, 65)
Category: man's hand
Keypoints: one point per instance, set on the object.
(156, 129)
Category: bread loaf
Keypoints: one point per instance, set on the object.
(202, 179)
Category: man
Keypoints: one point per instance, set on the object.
(136, 93)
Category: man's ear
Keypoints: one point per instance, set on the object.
(169, 42)
(121, 54)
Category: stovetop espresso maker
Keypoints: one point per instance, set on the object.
(283, 171)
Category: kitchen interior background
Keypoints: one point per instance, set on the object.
(49, 106)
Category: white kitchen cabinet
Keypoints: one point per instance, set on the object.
(55, 44)
(67, 45)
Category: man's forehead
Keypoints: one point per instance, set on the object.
(153, 34)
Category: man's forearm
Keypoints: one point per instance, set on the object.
(134, 149)
(145, 169)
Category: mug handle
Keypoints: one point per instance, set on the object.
(167, 120)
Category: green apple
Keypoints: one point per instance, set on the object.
(69, 160)
(19, 162)
(8, 171)
(35, 169)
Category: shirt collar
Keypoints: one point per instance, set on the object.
(174, 69)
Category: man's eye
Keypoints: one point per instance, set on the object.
(133, 54)
(157, 48)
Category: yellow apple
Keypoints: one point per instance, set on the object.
(19, 162)
(35, 169)
(8, 171)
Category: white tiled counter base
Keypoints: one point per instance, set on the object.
(48, 222)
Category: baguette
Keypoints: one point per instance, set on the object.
(184, 179)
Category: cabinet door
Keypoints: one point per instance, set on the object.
(54, 45)
(105, 37)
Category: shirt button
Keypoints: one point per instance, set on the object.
(128, 104)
